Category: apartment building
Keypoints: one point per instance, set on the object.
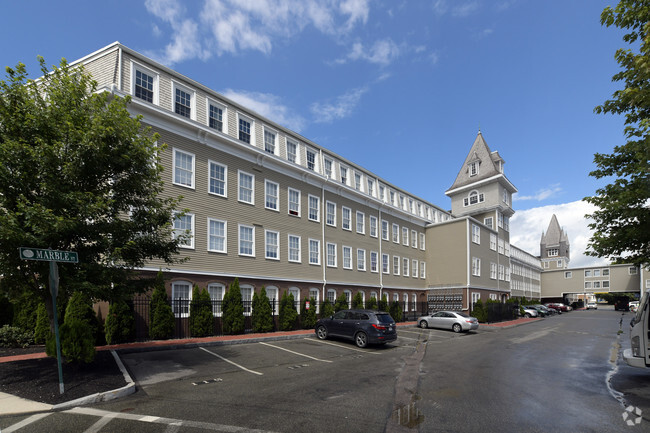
(274, 209)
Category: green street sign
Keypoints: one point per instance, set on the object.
(48, 255)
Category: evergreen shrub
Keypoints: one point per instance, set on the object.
(119, 326)
(288, 313)
(233, 310)
(201, 317)
(327, 309)
(13, 336)
(42, 329)
(308, 316)
(262, 315)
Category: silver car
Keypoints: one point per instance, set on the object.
(454, 320)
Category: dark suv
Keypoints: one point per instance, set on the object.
(362, 326)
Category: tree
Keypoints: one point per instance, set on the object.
(357, 301)
(372, 303)
(288, 313)
(201, 317)
(78, 173)
(233, 310)
(80, 308)
(161, 316)
(327, 309)
(341, 302)
(119, 326)
(621, 224)
(308, 315)
(262, 315)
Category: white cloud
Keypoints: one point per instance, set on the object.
(268, 105)
(465, 9)
(342, 107)
(541, 194)
(382, 52)
(459, 8)
(526, 229)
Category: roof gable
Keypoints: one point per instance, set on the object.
(480, 164)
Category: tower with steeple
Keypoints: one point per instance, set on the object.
(554, 247)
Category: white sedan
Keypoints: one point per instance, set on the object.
(454, 320)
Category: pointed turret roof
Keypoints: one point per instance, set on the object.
(554, 234)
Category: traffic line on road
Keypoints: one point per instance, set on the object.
(231, 362)
(101, 423)
(347, 347)
(295, 353)
(25, 422)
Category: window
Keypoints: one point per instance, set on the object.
(493, 241)
(475, 297)
(272, 244)
(371, 187)
(605, 284)
(596, 284)
(405, 236)
(269, 141)
(292, 151)
(216, 292)
(422, 241)
(330, 217)
(314, 208)
(405, 266)
(181, 297)
(373, 226)
(246, 241)
(295, 292)
(328, 168)
(344, 175)
(357, 181)
(347, 257)
(632, 270)
(217, 178)
(502, 272)
(245, 130)
(414, 239)
(183, 168)
(145, 86)
(384, 230)
(476, 234)
(361, 222)
(314, 252)
(506, 223)
(215, 116)
(361, 259)
(247, 298)
(184, 225)
(272, 296)
(271, 195)
(374, 261)
(506, 197)
(473, 198)
(313, 294)
(396, 265)
(216, 235)
(331, 295)
(346, 218)
(553, 252)
(384, 264)
(605, 272)
(473, 168)
(476, 266)
(183, 102)
(493, 270)
(311, 160)
(596, 272)
(501, 246)
(331, 255)
(246, 188)
(489, 221)
(587, 273)
(396, 233)
(587, 284)
(423, 270)
(568, 274)
(414, 268)
(294, 248)
(294, 202)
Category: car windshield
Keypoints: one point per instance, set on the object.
(384, 318)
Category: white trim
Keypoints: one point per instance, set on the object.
(225, 178)
(225, 236)
(192, 93)
(192, 182)
(156, 80)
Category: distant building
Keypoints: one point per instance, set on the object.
(554, 247)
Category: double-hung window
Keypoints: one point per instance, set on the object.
(314, 252)
(371, 187)
(344, 175)
(270, 138)
(292, 151)
(357, 181)
(361, 259)
(215, 116)
(184, 226)
(373, 261)
(373, 226)
(181, 297)
(314, 208)
(405, 236)
(476, 266)
(396, 265)
(414, 268)
(246, 240)
(414, 239)
(405, 266)
(423, 270)
(384, 230)
(347, 257)
(217, 174)
(328, 168)
(294, 202)
(183, 168)
(330, 214)
(422, 241)
(246, 188)
(216, 235)
(272, 244)
(476, 234)
(385, 266)
(294, 248)
(396, 233)
(271, 195)
(311, 160)
(493, 270)
(145, 86)
(331, 255)
(244, 126)
(183, 101)
(346, 218)
(493, 241)
(361, 223)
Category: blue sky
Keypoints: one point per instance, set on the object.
(399, 87)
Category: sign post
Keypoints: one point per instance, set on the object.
(52, 256)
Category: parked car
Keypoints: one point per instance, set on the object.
(540, 312)
(592, 306)
(529, 312)
(454, 320)
(547, 311)
(554, 308)
(560, 306)
(361, 326)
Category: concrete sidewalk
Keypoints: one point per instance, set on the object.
(10, 404)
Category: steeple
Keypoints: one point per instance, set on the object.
(554, 245)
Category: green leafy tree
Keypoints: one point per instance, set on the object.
(308, 316)
(479, 311)
(372, 303)
(288, 313)
(42, 329)
(341, 302)
(357, 301)
(119, 326)
(621, 223)
(262, 315)
(80, 307)
(78, 173)
(233, 310)
(327, 309)
(383, 303)
(395, 311)
(77, 342)
(201, 317)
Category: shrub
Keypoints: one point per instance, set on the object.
(308, 316)
(357, 301)
(42, 329)
(119, 326)
(158, 296)
(201, 319)
(372, 304)
(341, 302)
(233, 310)
(25, 310)
(163, 323)
(479, 311)
(288, 313)
(327, 309)
(395, 311)
(80, 307)
(13, 336)
(383, 303)
(77, 342)
(6, 311)
(262, 315)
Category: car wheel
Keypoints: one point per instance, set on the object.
(527, 315)
(457, 327)
(423, 324)
(361, 338)
(321, 332)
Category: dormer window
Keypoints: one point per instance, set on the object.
(473, 198)
(473, 168)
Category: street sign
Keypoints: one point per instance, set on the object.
(48, 255)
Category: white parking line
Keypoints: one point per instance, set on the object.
(101, 423)
(230, 362)
(295, 353)
(347, 347)
(25, 422)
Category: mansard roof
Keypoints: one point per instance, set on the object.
(554, 234)
(490, 166)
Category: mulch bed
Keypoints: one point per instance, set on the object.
(38, 379)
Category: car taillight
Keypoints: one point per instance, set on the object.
(379, 327)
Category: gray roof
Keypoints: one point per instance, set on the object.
(554, 234)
